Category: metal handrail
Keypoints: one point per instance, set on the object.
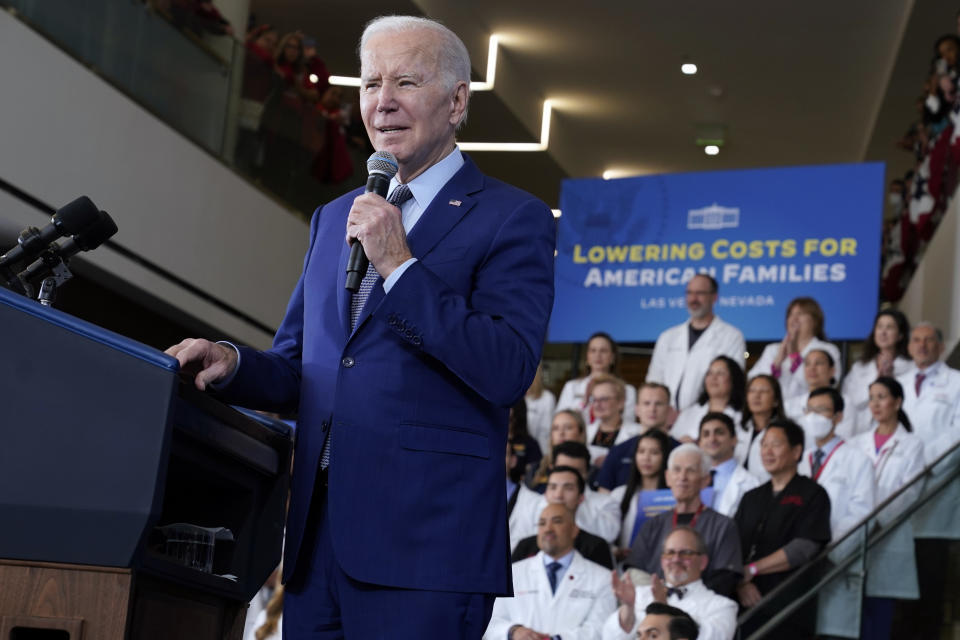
(870, 540)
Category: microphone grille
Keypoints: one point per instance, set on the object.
(75, 216)
(382, 162)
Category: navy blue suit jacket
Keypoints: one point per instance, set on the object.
(416, 398)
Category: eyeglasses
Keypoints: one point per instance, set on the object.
(683, 554)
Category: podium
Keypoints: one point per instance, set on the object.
(100, 445)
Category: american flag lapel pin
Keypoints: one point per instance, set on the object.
(455, 203)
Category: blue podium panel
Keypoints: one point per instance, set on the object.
(627, 247)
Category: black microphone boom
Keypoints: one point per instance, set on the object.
(58, 253)
(381, 166)
(70, 219)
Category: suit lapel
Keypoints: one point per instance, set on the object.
(569, 580)
(449, 206)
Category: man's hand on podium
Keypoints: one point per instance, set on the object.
(209, 362)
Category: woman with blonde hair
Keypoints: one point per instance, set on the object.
(567, 425)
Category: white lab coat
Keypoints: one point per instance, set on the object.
(688, 422)
(935, 414)
(675, 365)
(744, 440)
(520, 516)
(714, 614)
(792, 383)
(540, 416)
(583, 600)
(847, 477)
(754, 460)
(574, 396)
(796, 406)
(629, 518)
(598, 514)
(628, 429)
(856, 389)
(740, 482)
(891, 565)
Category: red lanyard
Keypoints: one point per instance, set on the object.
(824, 465)
(694, 520)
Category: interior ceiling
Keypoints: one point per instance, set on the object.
(803, 83)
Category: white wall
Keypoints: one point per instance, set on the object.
(64, 132)
(932, 294)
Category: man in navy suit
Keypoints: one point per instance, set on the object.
(397, 523)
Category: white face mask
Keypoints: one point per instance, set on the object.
(816, 425)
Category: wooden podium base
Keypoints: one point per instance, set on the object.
(44, 601)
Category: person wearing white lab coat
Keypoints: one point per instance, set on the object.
(683, 353)
(764, 404)
(648, 473)
(784, 360)
(541, 405)
(520, 500)
(884, 354)
(897, 457)
(931, 393)
(819, 371)
(603, 355)
(596, 512)
(556, 592)
(718, 439)
(683, 559)
(609, 427)
(723, 390)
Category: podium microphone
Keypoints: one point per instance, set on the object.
(70, 219)
(58, 253)
(381, 166)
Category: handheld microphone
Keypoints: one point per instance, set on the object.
(87, 240)
(381, 166)
(70, 219)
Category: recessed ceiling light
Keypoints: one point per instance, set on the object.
(711, 149)
(688, 68)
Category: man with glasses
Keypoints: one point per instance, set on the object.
(683, 353)
(683, 559)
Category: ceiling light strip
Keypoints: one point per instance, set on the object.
(517, 146)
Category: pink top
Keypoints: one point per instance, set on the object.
(879, 440)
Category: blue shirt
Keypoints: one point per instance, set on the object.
(511, 487)
(722, 474)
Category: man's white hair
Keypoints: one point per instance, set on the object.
(452, 55)
(689, 447)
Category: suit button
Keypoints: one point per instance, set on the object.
(417, 340)
(348, 362)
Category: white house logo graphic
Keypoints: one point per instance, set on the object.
(713, 217)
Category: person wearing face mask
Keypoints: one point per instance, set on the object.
(784, 360)
(884, 354)
(603, 355)
(819, 371)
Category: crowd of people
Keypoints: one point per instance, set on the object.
(708, 486)
(917, 201)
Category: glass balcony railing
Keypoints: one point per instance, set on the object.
(857, 578)
(208, 89)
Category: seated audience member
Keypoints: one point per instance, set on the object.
(931, 393)
(723, 390)
(784, 360)
(599, 513)
(603, 356)
(884, 354)
(541, 404)
(718, 439)
(520, 499)
(663, 622)
(683, 353)
(842, 470)
(567, 426)
(609, 427)
(566, 487)
(557, 593)
(648, 473)
(688, 471)
(782, 523)
(683, 559)
(764, 404)
(527, 450)
(819, 370)
(653, 409)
